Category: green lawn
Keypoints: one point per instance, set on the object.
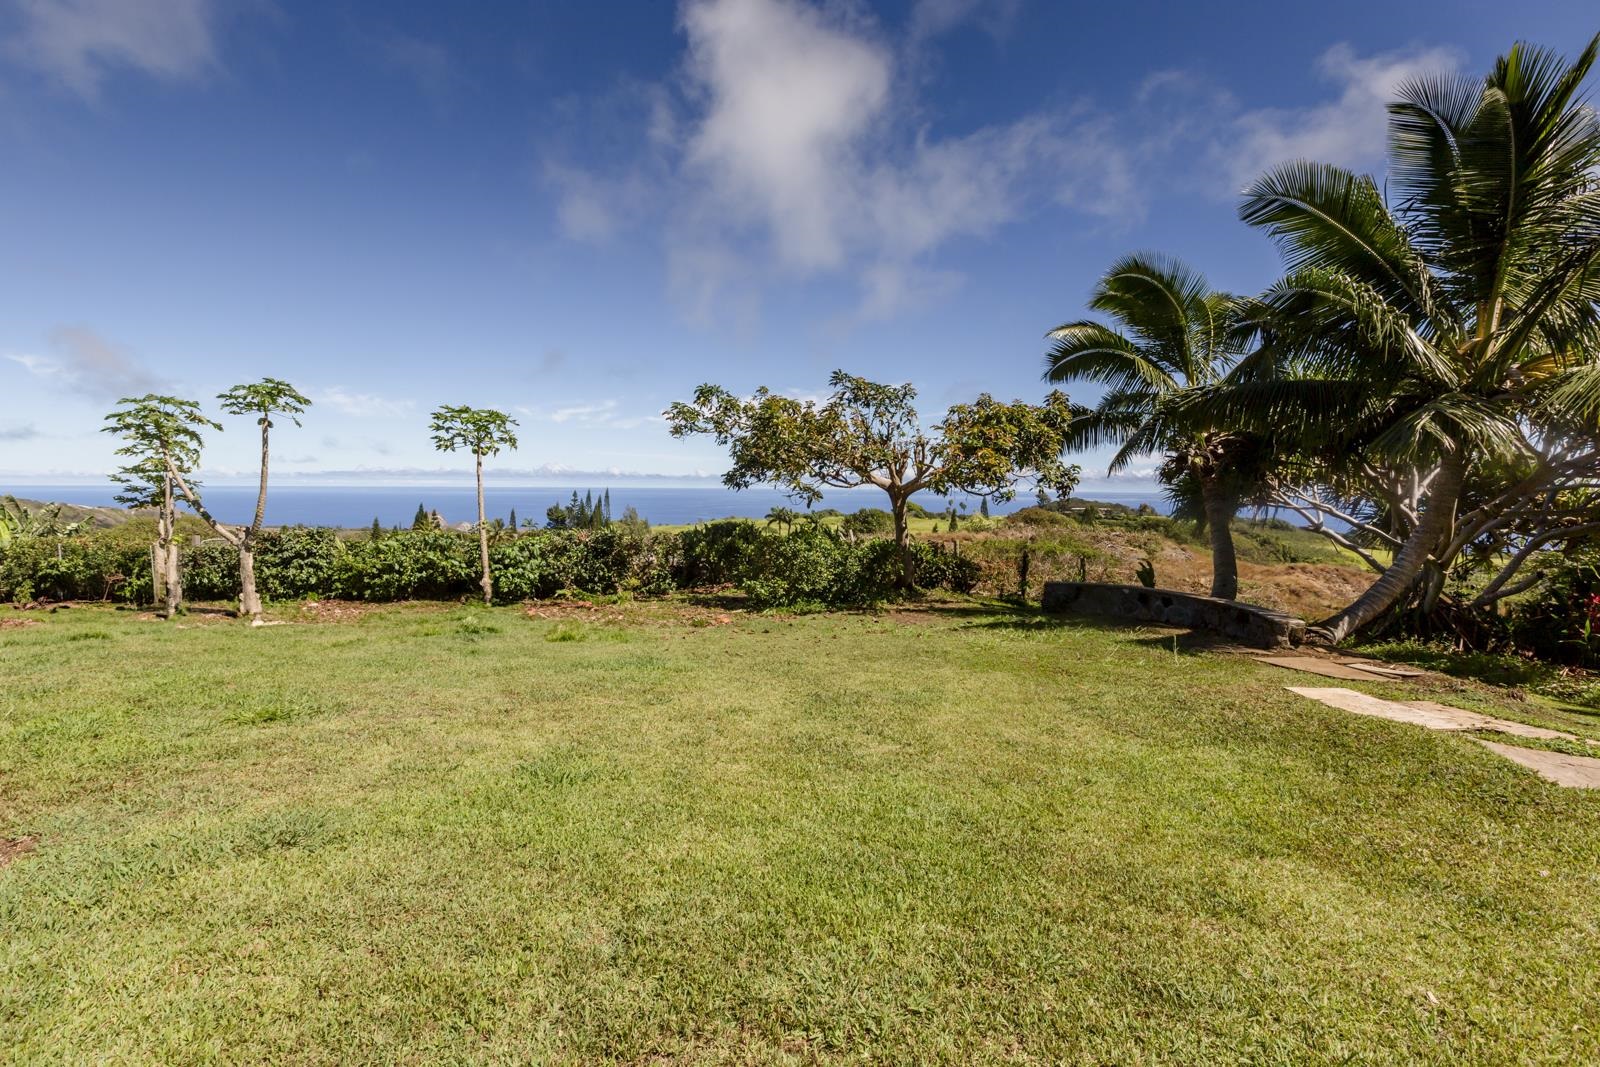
(438, 833)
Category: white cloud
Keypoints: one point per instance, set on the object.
(81, 42)
(796, 146)
(601, 414)
(1349, 130)
(797, 150)
(789, 96)
(85, 363)
(363, 405)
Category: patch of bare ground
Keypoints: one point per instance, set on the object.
(338, 610)
(646, 613)
(17, 624)
(13, 847)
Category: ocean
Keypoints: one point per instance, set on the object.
(396, 505)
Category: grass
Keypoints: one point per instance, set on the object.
(964, 835)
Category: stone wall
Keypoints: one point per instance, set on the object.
(1245, 623)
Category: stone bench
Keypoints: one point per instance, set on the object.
(1245, 623)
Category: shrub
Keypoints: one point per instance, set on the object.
(1037, 517)
(718, 553)
(411, 564)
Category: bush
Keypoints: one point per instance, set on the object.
(1037, 517)
(411, 564)
(870, 522)
(298, 562)
(718, 553)
(811, 565)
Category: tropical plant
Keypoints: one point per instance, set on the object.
(784, 517)
(483, 432)
(18, 522)
(162, 441)
(1175, 337)
(263, 400)
(867, 433)
(1436, 356)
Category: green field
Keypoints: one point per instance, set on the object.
(658, 833)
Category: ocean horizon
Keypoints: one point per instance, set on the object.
(352, 506)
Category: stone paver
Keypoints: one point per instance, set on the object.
(1578, 771)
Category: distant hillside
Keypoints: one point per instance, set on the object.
(99, 517)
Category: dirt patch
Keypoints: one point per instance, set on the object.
(17, 624)
(639, 613)
(339, 610)
(13, 847)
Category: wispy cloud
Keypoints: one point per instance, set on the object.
(795, 143)
(363, 405)
(798, 148)
(79, 43)
(428, 64)
(601, 414)
(83, 362)
(21, 432)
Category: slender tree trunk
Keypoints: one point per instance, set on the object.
(1219, 517)
(158, 566)
(1402, 574)
(483, 539)
(249, 600)
(172, 581)
(902, 539)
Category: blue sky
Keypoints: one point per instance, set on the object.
(577, 212)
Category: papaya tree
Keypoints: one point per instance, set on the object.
(162, 440)
(262, 399)
(867, 433)
(483, 432)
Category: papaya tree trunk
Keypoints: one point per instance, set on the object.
(1401, 575)
(249, 600)
(172, 581)
(483, 539)
(1219, 518)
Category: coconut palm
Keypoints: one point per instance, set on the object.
(782, 516)
(1448, 332)
(1175, 337)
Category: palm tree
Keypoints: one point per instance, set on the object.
(1175, 337)
(782, 516)
(1436, 338)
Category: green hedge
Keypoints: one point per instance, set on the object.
(809, 566)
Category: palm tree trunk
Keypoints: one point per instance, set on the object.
(483, 539)
(1219, 517)
(1401, 575)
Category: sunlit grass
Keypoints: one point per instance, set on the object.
(442, 833)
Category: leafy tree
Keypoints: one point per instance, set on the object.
(483, 432)
(162, 440)
(1437, 356)
(422, 520)
(867, 433)
(983, 507)
(263, 400)
(377, 530)
(1175, 337)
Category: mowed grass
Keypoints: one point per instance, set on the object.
(445, 834)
